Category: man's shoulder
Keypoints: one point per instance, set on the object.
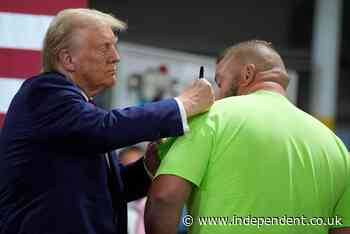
(234, 101)
(226, 107)
(47, 80)
(50, 83)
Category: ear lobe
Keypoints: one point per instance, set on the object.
(66, 60)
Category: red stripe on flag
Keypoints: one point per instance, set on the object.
(2, 118)
(40, 7)
(19, 63)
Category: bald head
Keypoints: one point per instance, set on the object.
(248, 66)
(259, 53)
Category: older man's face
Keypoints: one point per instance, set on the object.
(96, 57)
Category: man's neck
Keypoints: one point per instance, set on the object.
(69, 77)
(265, 85)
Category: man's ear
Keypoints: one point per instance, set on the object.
(247, 74)
(66, 60)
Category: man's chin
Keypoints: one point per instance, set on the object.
(113, 80)
(110, 83)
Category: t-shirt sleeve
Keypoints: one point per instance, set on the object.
(188, 156)
(342, 210)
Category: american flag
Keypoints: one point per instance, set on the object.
(23, 24)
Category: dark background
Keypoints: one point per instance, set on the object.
(208, 28)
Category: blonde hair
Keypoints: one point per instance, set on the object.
(59, 33)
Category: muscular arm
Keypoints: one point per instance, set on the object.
(166, 199)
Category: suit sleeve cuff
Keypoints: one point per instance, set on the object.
(183, 115)
(150, 175)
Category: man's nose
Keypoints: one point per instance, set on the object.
(115, 57)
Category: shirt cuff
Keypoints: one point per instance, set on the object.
(183, 115)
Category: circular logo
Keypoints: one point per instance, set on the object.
(187, 220)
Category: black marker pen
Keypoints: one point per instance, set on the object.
(201, 73)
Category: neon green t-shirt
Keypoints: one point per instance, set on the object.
(258, 156)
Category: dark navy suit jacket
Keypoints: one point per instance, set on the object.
(53, 174)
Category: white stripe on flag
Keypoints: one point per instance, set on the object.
(9, 87)
(23, 31)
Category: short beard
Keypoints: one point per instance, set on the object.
(233, 90)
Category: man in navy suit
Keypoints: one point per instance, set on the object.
(56, 172)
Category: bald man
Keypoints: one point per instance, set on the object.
(255, 163)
